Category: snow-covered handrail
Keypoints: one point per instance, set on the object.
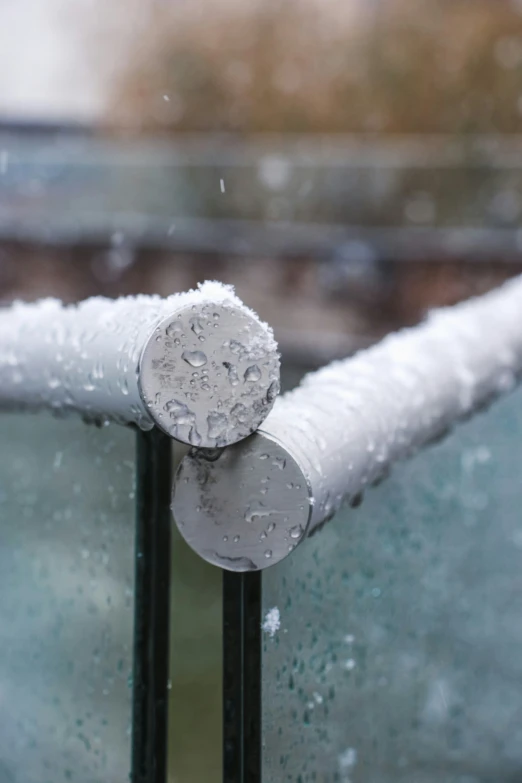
(200, 364)
(343, 427)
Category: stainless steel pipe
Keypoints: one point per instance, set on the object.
(248, 506)
(200, 365)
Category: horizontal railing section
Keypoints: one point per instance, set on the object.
(200, 365)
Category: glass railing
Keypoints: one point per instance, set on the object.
(67, 592)
(391, 642)
(384, 647)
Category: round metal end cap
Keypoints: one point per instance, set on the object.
(209, 374)
(244, 508)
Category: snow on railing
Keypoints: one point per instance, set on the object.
(200, 365)
(247, 507)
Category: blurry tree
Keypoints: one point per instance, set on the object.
(325, 66)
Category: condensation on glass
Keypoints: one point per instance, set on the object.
(392, 640)
(66, 600)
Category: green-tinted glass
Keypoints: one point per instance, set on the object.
(399, 653)
(195, 684)
(66, 600)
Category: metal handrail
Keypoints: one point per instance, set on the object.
(200, 365)
(248, 506)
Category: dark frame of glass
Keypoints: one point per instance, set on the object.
(242, 677)
(242, 635)
(151, 619)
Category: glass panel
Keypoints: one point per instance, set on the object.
(195, 684)
(66, 600)
(399, 653)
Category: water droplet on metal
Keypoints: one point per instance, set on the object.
(194, 437)
(176, 327)
(196, 325)
(252, 374)
(217, 424)
(273, 391)
(178, 410)
(258, 513)
(194, 358)
(239, 412)
(232, 373)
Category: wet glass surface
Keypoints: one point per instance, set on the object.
(195, 684)
(66, 600)
(396, 654)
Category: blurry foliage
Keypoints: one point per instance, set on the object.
(298, 66)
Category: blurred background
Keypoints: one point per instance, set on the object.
(346, 164)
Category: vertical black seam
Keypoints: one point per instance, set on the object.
(242, 677)
(244, 684)
(151, 608)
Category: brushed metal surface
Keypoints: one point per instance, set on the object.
(242, 508)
